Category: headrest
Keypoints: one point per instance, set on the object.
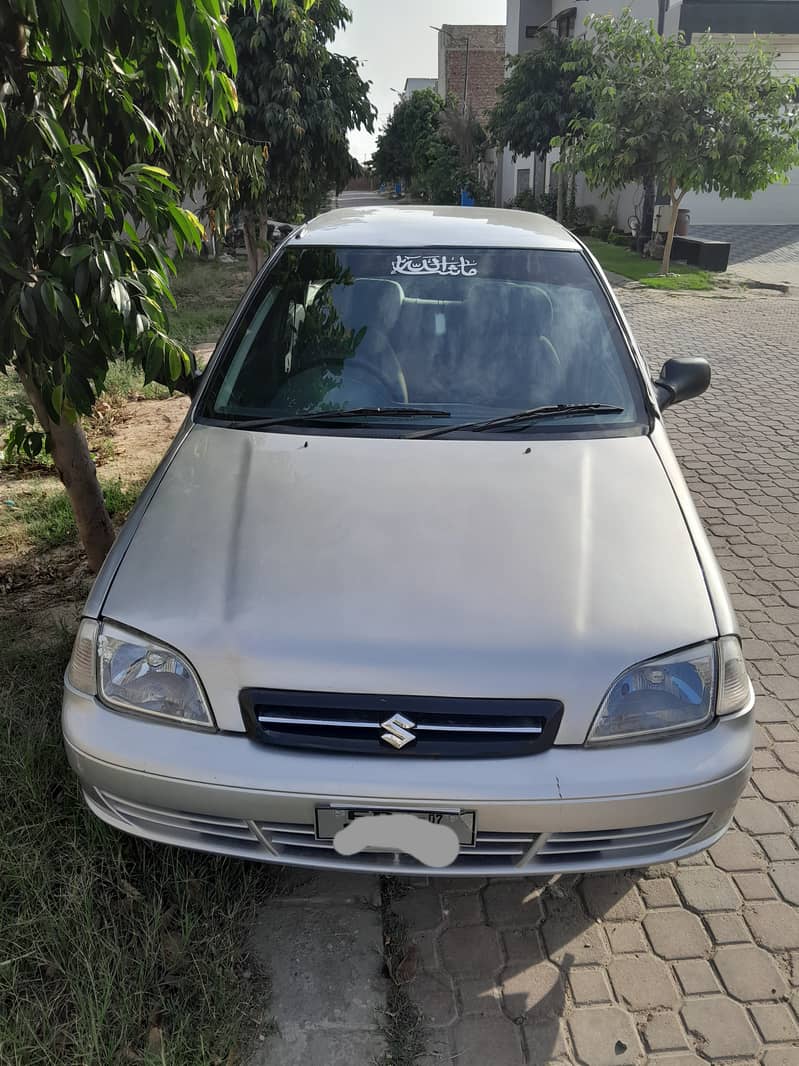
(516, 308)
(371, 302)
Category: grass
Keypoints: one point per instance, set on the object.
(125, 381)
(207, 293)
(620, 260)
(46, 518)
(41, 519)
(403, 1022)
(113, 950)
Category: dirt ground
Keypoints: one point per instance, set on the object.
(40, 585)
(140, 435)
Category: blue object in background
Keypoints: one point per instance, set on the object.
(467, 200)
(398, 188)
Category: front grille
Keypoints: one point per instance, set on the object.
(298, 843)
(493, 853)
(208, 832)
(407, 726)
(616, 845)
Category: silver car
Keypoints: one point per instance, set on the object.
(419, 584)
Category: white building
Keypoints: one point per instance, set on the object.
(415, 85)
(777, 21)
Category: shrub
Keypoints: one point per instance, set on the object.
(584, 219)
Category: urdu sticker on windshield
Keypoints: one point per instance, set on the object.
(448, 265)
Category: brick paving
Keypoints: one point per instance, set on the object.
(690, 962)
(755, 244)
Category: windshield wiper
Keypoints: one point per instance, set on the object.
(565, 410)
(331, 416)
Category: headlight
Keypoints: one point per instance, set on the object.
(675, 693)
(131, 672)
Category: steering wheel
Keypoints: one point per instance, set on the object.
(396, 388)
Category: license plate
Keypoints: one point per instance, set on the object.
(329, 820)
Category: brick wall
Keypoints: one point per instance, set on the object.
(486, 64)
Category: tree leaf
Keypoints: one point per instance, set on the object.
(28, 306)
(228, 47)
(120, 297)
(180, 18)
(201, 39)
(49, 297)
(154, 358)
(175, 363)
(230, 90)
(79, 17)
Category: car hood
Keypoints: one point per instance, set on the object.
(426, 567)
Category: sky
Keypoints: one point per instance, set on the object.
(393, 40)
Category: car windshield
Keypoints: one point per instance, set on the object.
(442, 336)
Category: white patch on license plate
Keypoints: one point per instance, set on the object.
(329, 820)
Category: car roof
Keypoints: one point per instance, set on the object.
(427, 227)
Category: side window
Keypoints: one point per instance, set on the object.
(252, 343)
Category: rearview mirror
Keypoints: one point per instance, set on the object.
(682, 378)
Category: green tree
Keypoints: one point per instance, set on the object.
(210, 161)
(538, 101)
(454, 161)
(301, 99)
(701, 117)
(85, 86)
(407, 145)
(432, 146)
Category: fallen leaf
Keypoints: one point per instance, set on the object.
(406, 971)
(130, 890)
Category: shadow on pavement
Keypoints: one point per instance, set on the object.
(495, 957)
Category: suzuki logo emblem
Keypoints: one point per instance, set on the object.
(397, 728)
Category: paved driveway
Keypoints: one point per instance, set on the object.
(755, 244)
(765, 254)
(697, 961)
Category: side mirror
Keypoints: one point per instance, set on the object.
(682, 378)
(190, 383)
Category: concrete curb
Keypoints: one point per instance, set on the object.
(322, 944)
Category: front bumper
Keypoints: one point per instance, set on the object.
(566, 809)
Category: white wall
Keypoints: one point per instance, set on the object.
(645, 10)
(776, 206)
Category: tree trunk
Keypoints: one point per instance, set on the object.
(647, 215)
(675, 207)
(571, 206)
(250, 242)
(263, 234)
(79, 476)
(563, 192)
(540, 176)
